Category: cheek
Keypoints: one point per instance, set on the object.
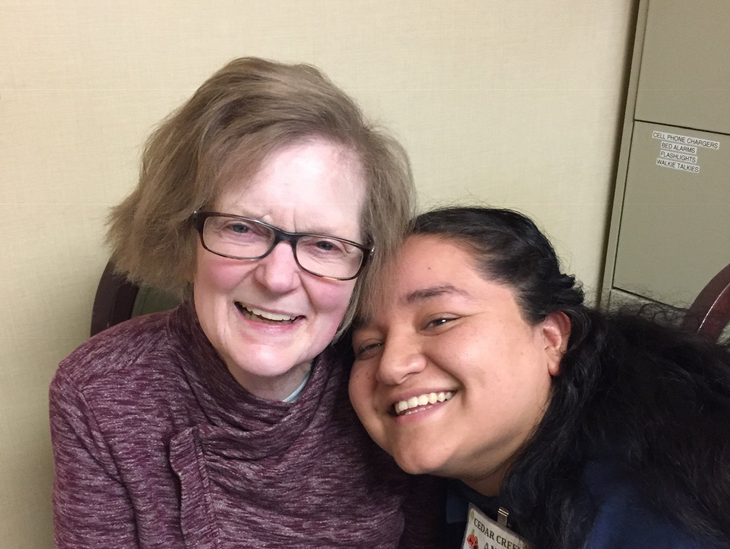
(362, 395)
(330, 297)
(467, 351)
(214, 274)
(523, 388)
(361, 386)
(502, 368)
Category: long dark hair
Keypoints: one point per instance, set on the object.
(629, 380)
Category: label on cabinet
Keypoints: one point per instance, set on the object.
(677, 165)
(681, 157)
(679, 152)
(686, 139)
(666, 146)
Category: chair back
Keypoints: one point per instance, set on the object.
(709, 314)
(117, 299)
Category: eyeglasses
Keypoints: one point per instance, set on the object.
(238, 237)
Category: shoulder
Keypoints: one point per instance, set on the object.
(134, 351)
(625, 519)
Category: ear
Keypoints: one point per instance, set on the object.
(555, 334)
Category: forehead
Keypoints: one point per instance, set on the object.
(432, 274)
(313, 185)
(427, 268)
(428, 260)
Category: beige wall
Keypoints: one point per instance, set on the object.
(514, 103)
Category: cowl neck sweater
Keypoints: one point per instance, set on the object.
(156, 445)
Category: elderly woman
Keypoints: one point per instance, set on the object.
(263, 201)
(560, 425)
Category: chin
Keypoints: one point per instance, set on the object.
(418, 465)
(410, 469)
(268, 370)
(265, 360)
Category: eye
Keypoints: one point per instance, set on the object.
(325, 245)
(367, 349)
(322, 248)
(438, 321)
(242, 230)
(233, 227)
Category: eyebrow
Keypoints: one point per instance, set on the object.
(425, 294)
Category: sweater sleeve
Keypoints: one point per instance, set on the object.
(91, 507)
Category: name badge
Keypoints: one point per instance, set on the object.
(483, 533)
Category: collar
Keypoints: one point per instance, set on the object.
(458, 497)
(223, 400)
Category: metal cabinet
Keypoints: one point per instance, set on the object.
(670, 225)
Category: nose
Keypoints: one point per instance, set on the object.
(400, 359)
(278, 271)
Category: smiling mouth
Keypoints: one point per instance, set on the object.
(264, 316)
(419, 403)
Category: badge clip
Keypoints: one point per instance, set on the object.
(502, 516)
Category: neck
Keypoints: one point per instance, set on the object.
(486, 485)
(275, 387)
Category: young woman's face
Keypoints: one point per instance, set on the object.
(268, 318)
(449, 378)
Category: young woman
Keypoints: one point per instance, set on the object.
(263, 201)
(560, 425)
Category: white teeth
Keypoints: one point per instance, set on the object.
(270, 316)
(422, 400)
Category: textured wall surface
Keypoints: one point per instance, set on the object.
(511, 103)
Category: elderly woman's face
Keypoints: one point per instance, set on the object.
(449, 378)
(268, 318)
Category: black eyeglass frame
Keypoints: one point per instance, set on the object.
(199, 218)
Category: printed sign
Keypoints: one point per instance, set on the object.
(483, 533)
(671, 155)
(677, 165)
(679, 152)
(666, 146)
(686, 140)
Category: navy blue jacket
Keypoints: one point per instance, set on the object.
(623, 519)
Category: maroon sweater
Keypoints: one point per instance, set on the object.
(156, 445)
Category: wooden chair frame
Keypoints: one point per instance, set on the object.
(709, 314)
